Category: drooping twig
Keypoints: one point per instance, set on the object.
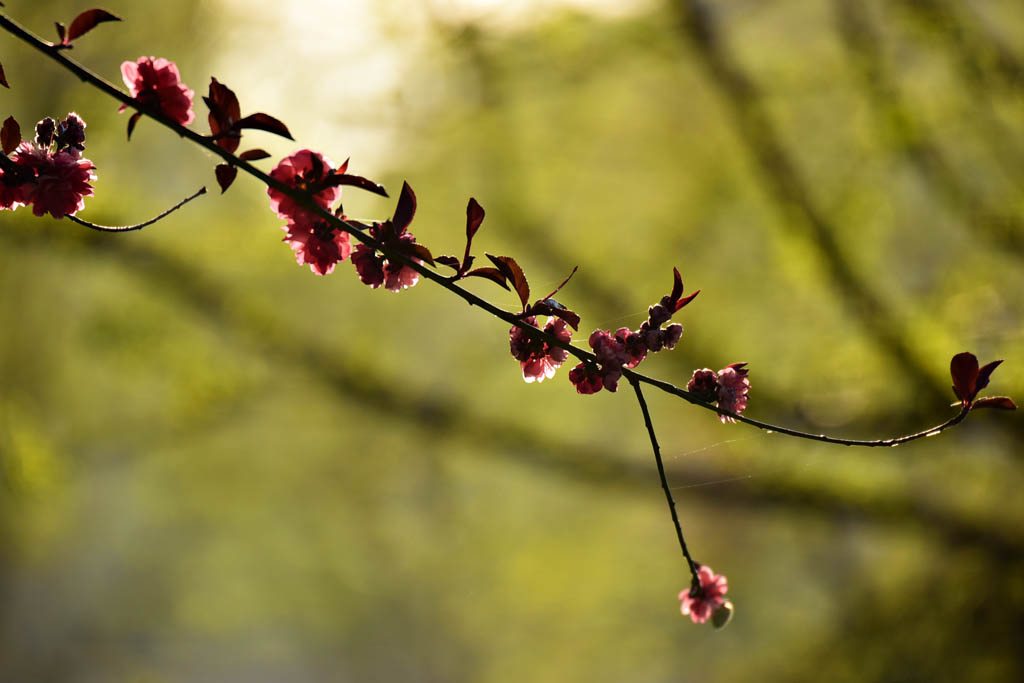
(137, 226)
(664, 480)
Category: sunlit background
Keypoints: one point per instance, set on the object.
(217, 467)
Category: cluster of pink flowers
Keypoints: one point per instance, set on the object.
(157, 85)
(629, 348)
(49, 174)
(539, 359)
(374, 267)
(729, 387)
(315, 242)
(706, 598)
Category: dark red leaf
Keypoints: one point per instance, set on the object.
(61, 31)
(564, 283)
(570, 317)
(224, 115)
(515, 275)
(449, 261)
(225, 176)
(687, 299)
(1001, 402)
(87, 21)
(3, 78)
(10, 135)
(677, 285)
(132, 121)
(492, 274)
(964, 369)
(264, 122)
(983, 375)
(254, 155)
(474, 217)
(405, 210)
(356, 181)
(422, 253)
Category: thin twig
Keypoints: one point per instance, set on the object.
(515, 319)
(137, 226)
(695, 581)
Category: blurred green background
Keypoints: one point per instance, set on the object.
(216, 466)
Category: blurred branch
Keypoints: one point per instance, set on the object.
(1005, 229)
(261, 332)
(792, 194)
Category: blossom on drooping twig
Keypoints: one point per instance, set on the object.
(538, 358)
(706, 597)
(156, 84)
(50, 173)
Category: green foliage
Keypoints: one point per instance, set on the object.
(216, 465)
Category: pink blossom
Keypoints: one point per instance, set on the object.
(305, 170)
(398, 276)
(369, 266)
(156, 84)
(733, 387)
(587, 379)
(702, 601)
(538, 358)
(704, 383)
(316, 242)
(633, 344)
(58, 182)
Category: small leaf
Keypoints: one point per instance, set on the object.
(254, 155)
(492, 274)
(61, 31)
(87, 21)
(964, 369)
(685, 300)
(10, 135)
(474, 217)
(983, 375)
(421, 252)
(1000, 402)
(449, 261)
(264, 122)
(405, 210)
(3, 78)
(514, 273)
(132, 121)
(225, 176)
(356, 181)
(677, 285)
(223, 116)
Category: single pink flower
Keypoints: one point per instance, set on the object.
(538, 358)
(316, 242)
(587, 379)
(398, 276)
(369, 265)
(304, 170)
(156, 84)
(702, 601)
(733, 387)
(60, 181)
(704, 383)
